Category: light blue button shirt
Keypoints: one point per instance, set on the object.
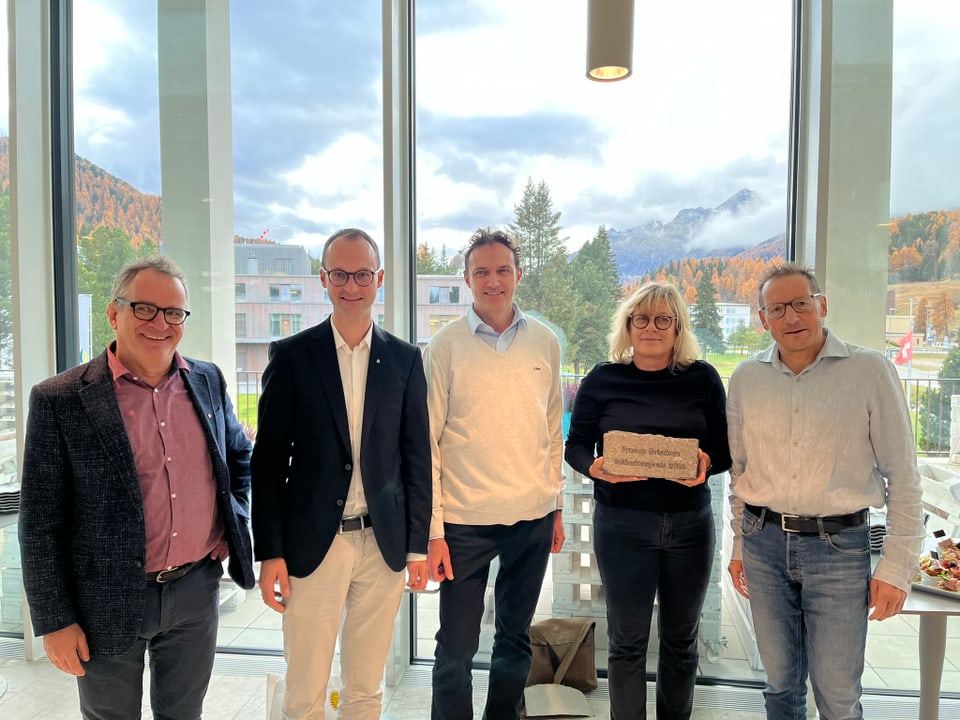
(500, 342)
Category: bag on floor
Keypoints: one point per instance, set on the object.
(564, 653)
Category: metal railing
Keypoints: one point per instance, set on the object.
(929, 407)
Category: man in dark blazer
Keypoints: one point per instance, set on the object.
(135, 488)
(341, 487)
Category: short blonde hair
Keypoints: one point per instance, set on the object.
(645, 300)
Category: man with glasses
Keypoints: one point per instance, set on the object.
(135, 489)
(495, 410)
(819, 433)
(341, 487)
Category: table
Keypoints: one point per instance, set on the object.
(933, 611)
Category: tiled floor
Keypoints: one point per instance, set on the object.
(238, 689)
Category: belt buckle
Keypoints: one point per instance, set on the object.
(783, 522)
(160, 579)
(343, 522)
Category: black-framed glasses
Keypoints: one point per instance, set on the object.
(148, 311)
(800, 305)
(360, 277)
(660, 322)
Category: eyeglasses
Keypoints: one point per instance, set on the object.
(360, 277)
(661, 322)
(148, 311)
(803, 304)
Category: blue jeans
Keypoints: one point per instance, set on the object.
(640, 555)
(523, 549)
(809, 597)
(179, 630)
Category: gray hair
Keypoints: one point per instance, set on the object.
(783, 269)
(159, 263)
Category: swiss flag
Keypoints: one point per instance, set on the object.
(906, 349)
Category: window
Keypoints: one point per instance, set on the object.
(444, 295)
(241, 327)
(600, 202)
(283, 324)
(286, 293)
(240, 291)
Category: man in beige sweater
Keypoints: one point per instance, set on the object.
(495, 408)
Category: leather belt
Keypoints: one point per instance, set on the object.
(807, 525)
(354, 524)
(172, 573)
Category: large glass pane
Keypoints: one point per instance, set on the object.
(11, 611)
(924, 289)
(276, 107)
(678, 173)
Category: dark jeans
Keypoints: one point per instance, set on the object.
(642, 554)
(523, 550)
(179, 630)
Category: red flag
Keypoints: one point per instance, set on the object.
(906, 349)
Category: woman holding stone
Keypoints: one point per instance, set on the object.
(652, 535)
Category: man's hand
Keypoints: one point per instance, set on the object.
(438, 560)
(417, 572)
(885, 599)
(558, 534)
(735, 568)
(221, 551)
(274, 583)
(66, 648)
(596, 471)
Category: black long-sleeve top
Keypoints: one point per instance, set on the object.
(690, 403)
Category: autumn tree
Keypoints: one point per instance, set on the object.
(921, 317)
(429, 263)
(705, 317)
(941, 315)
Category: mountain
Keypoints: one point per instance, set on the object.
(644, 248)
(104, 199)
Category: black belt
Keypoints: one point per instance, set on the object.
(172, 573)
(353, 524)
(806, 525)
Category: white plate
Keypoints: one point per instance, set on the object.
(929, 584)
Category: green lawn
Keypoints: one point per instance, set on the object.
(245, 407)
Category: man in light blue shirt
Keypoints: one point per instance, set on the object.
(819, 433)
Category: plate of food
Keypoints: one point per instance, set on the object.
(939, 568)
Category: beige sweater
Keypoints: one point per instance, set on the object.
(494, 426)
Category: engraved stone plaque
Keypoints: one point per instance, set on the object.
(627, 453)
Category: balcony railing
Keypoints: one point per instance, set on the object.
(929, 407)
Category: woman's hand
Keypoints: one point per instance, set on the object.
(596, 471)
(703, 464)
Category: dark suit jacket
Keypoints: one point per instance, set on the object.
(302, 459)
(82, 538)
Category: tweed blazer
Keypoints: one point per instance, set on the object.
(303, 461)
(82, 536)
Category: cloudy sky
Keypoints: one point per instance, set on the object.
(501, 96)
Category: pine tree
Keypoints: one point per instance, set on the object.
(706, 318)
(596, 279)
(536, 230)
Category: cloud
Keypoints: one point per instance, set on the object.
(501, 96)
(926, 107)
